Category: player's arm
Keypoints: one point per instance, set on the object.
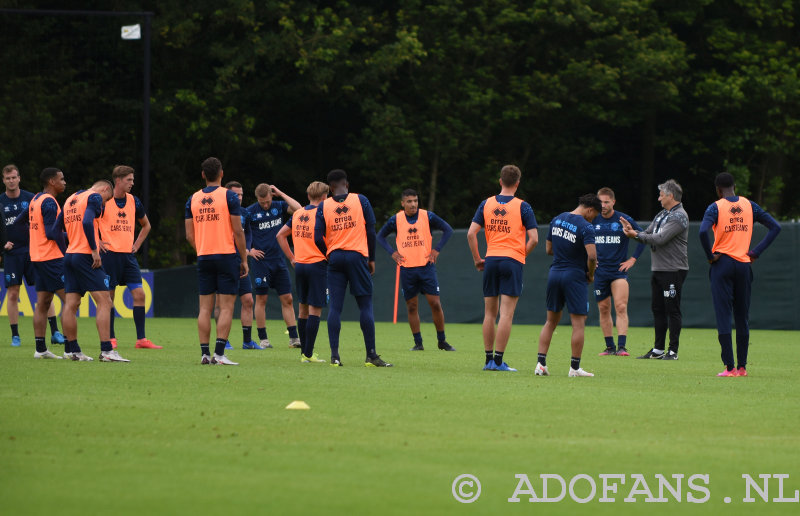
(387, 229)
(94, 208)
(255, 253)
(235, 221)
(631, 261)
(190, 233)
(319, 230)
(283, 242)
(761, 216)
(548, 247)
(369, 223)
(532, 241)
(20, 221)
(591, 261)
(238, 240)
(145, 223)
(3, 235)
(292, 205)
(188, 225)
(248, 232)
(439, 223)
(472, 240)
(53, 223)
(531, 227)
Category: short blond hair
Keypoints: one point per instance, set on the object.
(317, 190)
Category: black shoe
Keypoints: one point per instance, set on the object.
(444, 346)
(650, 354)
(670, 356)
(336, 362)
(417, 347)
(376, 362)
(609, 351)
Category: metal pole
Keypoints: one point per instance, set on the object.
(146, 132)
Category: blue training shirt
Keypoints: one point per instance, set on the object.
(611, 242)
(264, 225)
(569, 233)
(15, 218)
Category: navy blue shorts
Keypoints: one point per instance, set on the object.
(122, 269)
(349, 267)
(218, 274)
(502, 276)
(245, 287)
(268, 274)
(49, 275)
(17, 265)
(603, 281)
(414, 280)
(312, 283)
(567, 287)
(80, 278)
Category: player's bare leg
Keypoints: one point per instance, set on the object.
(103, 318)
(508, 304)
(606, 322)
(12, 304)
(578, 331)
(206, 309)
(287, 310)
(44, 302)
(247, 309)
(412, 307)
(491, 306)
(261, 310)
(546, 335)
(226, 302)
(436, 311)
(620, 291)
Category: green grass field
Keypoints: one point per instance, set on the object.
(165, 435)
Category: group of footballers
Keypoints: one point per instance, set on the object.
(88, 246)
(590, 244)
(333, 245)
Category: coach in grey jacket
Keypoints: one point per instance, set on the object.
(667, 236)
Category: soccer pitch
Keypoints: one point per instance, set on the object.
(165, 435)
